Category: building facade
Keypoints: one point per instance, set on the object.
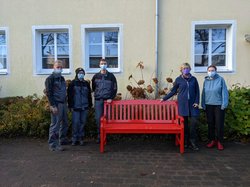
(161, 33)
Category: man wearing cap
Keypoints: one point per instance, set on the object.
(55, 89)
(104, 85)
(79, 101)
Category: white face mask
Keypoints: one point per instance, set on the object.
(57, 71)
(211, 73)
(103, 66)
(80, 76)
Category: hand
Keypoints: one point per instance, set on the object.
(195, 105)
(53, 109)
(109, 100)
(161, 100)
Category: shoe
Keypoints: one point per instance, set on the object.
(57, 148)
(194, 147)
(74, 144)
(81, 143)
(212, 144)
(220, 146)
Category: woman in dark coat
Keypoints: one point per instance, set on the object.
(188, 98)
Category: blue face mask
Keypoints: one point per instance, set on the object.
(80, 76)
(57, 71)
(103, 66)
(211, 73)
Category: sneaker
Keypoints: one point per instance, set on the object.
(57, 148)
(212, 144)
(194, 147)
(81, 143)
(220, 146)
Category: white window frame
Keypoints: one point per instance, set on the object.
(101, 27)
(37, 54)
(230, 44)
(6, 70)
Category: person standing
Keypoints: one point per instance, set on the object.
(79, 101)
(214, 101)
(55, 86)
(104, 86)
(188, 97)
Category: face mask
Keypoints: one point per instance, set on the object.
(211, 73)
(186, 71)
(57, 71)
(80, 76)
(103, 66)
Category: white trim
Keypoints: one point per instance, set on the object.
(7, 70)
(230, 44)
(102, 27)
(36, 42)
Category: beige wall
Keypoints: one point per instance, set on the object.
(138, 19)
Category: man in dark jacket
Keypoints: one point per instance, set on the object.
(56, 92)
(79, 101)
(104, 85)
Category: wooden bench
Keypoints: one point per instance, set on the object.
(142, 117)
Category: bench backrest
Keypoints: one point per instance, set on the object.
(141, 111)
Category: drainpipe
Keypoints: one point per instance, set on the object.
(156, 42)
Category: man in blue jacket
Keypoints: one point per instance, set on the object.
(56, 92)
(104, 85)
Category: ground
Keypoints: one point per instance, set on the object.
(28, 162)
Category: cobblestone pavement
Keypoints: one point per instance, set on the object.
(137, 163)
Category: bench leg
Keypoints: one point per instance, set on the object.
(102, 141)
(182, 142)
(177, 139)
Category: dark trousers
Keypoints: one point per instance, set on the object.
(190, 133)
(215, 120)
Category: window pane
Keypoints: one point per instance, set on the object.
(201, 34)
(95, 37)
(94, 62)
(201, 47)
(218, 47)
(62, 50)
(48, 50)
(62, 38)
(2, 39)
(201, 60)
(47, 39)
(218, 34)
(65, 61)
(219, 60)
(95, 50)
(112, 62)
(3, 63)
(111, 50)
(3, 50)
(47, 63)
(111, 37)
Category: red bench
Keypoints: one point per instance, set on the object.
(142, 117)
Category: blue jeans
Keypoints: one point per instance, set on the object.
(59, 126)
(99, 108)
(79, 119)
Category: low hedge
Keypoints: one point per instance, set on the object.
(29, 116)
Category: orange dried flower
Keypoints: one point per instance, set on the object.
(129, 88)
(149, 89)
(169, 80)
(140, 65)
(155, 80)
(140, 82)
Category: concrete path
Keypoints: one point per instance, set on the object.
(28, 162)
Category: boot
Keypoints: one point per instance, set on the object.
(220, 146)
(212, 144)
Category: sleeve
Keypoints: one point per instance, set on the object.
(225, 95)
(197, 92)
(114, 87)
(89, 96)
(172, 92)
(203, 105)
(70, 94)
(49, 91)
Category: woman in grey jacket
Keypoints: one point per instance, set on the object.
(214, 101)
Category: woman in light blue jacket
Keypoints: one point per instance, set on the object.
(214, 101)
